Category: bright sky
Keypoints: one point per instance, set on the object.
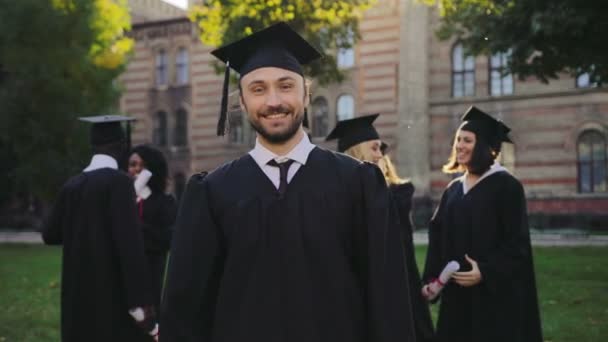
(178, 3)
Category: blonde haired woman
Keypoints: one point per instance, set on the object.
(359, 139)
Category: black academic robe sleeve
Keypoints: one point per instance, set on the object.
(157, 223)
(434, 262)
(52, 230)
(389, 307)
(128, 243)
(195, 266)
(513, 252)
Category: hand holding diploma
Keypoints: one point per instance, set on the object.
(431, 290)
(470, 278)
(141, 184)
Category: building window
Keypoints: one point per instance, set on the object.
(346, 107)
(592, 175)
(180, 136)
(181, 66)
(159, 135)
(161, 68)
(463, 73)
(346, 55)
(179, 184)
(320, 117)
(500, 83)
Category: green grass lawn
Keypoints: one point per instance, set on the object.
(572, 282)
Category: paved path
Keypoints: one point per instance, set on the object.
(554, 239)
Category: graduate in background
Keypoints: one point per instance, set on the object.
(104, 292)
(290, 242)
(156, 210)
(358, 138)
(482, 223)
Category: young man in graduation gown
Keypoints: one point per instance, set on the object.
(104, 295)
(291, 242)
(482, 223)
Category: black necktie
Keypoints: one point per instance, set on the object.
(283, 168)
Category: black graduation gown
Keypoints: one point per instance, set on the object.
(490, 224)
(104, 269)
(402, 197)
(322, 264)
(157, 216)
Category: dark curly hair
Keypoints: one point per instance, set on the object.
(155, 161)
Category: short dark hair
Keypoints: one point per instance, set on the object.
(481, 160)
(115, 149)
(154, 161)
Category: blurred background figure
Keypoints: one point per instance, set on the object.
(104, 292)
(156, 209)
(402, 191)
(359, 139)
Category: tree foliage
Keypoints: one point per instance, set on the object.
(59, 60)
(329, 25)
(545, 37)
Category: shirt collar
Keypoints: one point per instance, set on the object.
(299, 153)
(496, 167)
(100, 161)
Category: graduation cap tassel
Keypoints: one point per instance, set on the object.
(221, 124)
(305, 120)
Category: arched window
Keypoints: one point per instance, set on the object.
(179, 184)
(500, 84)
(161, 68)
(592, 175)
(180, 135)
(346, 107)
(181, 66)
(320, 117)
(463, 73)
(159, 134)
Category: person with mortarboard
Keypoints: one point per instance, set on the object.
(290, 242)
(359, 139)
(105, 295)
(482, 223)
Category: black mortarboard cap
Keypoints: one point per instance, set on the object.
(492, 130)
(106, 129)
(275, 46)
(354, 131)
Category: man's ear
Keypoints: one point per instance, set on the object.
(307, 94)
(242, 103)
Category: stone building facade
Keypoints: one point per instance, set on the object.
(420, 85)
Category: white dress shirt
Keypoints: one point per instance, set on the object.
(299, 154)
(101, 161)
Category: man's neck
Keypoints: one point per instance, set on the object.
(283, 148)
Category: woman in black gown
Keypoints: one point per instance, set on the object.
(481, 222)
(359, 139)
(156, 209)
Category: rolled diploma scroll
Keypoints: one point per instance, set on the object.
(141, 182)
(431, 290)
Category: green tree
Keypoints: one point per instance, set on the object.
(329, 25)
(545, 37)
(59, 59)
